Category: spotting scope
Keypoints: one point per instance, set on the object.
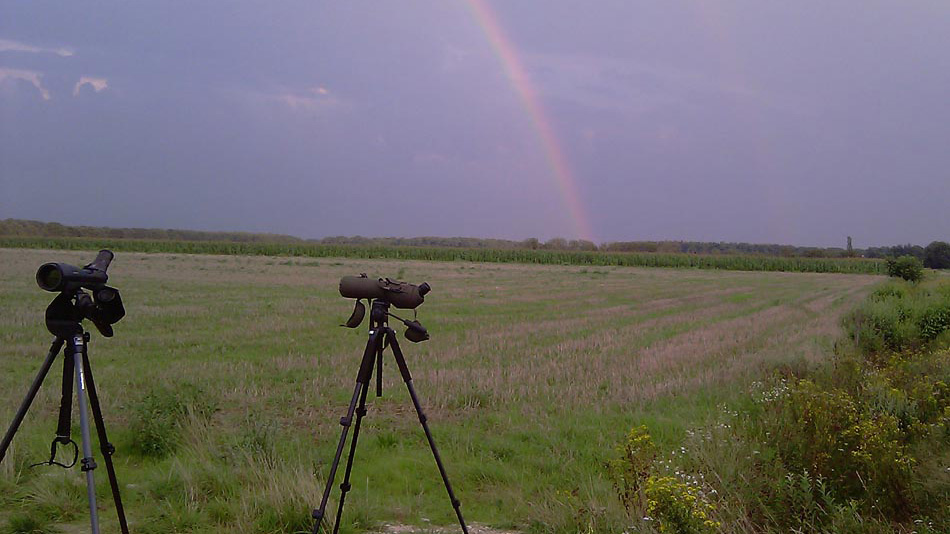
(66, 277)
(104, 308)
(400, 294)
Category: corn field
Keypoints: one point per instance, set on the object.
(548, 257)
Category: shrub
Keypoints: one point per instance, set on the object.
(889, 291)
(934, 321)
(899, 317)
(678, 507)
(825, 432)
(907, 267)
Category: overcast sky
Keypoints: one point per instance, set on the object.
(778, 122)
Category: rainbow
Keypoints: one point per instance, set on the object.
(564, 179)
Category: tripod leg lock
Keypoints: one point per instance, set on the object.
(361, 411)
(88, 464)
(108, 449)
(345, 421)
(318, 515)
(345, 487)
(456, 503)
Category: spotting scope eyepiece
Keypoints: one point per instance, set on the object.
(63, 276)
(400, 294)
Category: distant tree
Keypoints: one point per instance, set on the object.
(877, 252)
(556, 243)
(937, 255)
(850, 249)
(916, 251)
(582, 244)
(787, 250)
(531, 242)
(907, 267)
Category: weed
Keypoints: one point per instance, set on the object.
(679, 507)
(632, 467)
(25, 523)
(157, 418)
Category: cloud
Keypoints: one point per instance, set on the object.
(430, 158)
(626, 86)
(596, 82)
(97, 84)
(305, 102)
(8, 45)
(30, 76)
(315, 100)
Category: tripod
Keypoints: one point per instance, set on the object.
(380, 335)
(63, 320)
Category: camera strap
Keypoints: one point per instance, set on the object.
(63, 428)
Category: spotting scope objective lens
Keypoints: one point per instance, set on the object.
(49, 277)
(424, 288)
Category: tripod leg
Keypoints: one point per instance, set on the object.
(30, 395)
(77, 347)
(362, 383)
(107, 449)
(404, 370)
(345, 486)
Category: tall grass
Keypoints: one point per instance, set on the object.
(859, 444)
(545, 257)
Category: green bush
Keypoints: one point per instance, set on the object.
(934, 321)
(826, 432)
(888, 291)
(907, 267)
(900, 316)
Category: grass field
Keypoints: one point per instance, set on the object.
(223, 386)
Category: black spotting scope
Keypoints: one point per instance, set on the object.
(66, 277)
(383, 292)
(400, 294)
(104, 308)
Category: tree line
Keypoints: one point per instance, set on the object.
(25, 228)
(935, 255)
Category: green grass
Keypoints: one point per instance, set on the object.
(542, 257)
(223, 386)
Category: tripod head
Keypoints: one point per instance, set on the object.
(382, 293)
(73, 304)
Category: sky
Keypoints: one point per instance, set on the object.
(768, 122)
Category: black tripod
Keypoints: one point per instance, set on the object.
(63, 319)
(380, 334)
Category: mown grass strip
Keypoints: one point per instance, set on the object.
(544, 257)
